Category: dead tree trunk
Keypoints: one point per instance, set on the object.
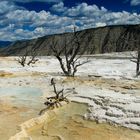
(138, 63)
(136, 59)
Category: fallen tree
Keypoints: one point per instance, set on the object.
(55, 101)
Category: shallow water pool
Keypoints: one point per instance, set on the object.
(26, 96)
(18, 104)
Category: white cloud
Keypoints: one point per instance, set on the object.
(100, 24)
(135, 2)
(59, 7)
(27, 1)
(6, 6)
(84, 9)
(17, 23)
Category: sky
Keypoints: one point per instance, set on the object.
(27, 19)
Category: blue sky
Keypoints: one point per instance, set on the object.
(113, 5)
(27, 19)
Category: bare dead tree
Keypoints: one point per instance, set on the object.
(55, 101)
(31, 55)
(131, 38)
(69, 53)
(22, 59)
(136, 59)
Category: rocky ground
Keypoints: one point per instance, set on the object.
(108, 85)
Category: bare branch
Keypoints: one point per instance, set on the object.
(22, 59)
(75, 65)
(135, 61)
(32, 60)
